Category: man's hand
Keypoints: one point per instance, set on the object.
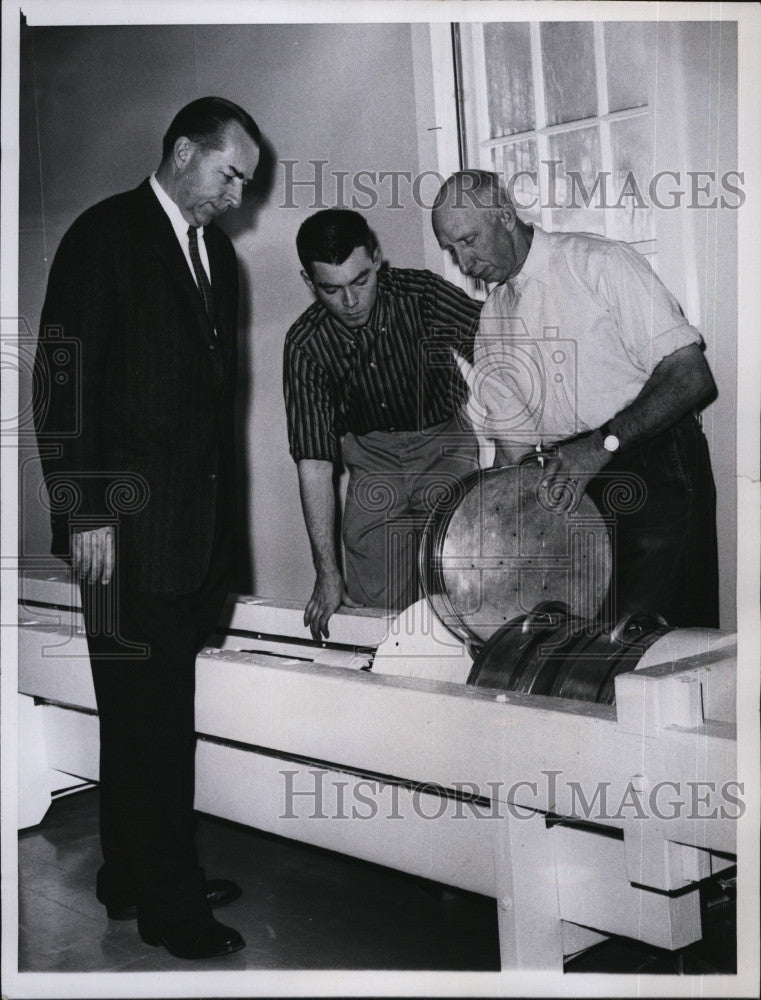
(92, 554)
(328, 595)
(569, 470)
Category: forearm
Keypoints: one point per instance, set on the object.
(318, 502)
(681, 383)
(678, 385)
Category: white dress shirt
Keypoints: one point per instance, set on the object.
(180, 227)
(571, 339)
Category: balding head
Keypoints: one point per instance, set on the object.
(474, 219)
(480, 189)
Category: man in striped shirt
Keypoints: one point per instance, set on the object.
(369, 377)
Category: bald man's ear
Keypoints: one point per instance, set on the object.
(508, 217)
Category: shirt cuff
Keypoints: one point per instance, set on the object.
(670, 341)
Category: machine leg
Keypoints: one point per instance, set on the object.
(530, 928)
(33, 771)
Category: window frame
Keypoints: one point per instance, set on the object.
(467, 41)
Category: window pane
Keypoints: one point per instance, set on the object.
(518, 165)
(510, 85)
(626, 61)
(631, 142)
(578, 178)
(568, 61)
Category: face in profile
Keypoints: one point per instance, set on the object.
(348, 291)
(480, 240)
(212, 180)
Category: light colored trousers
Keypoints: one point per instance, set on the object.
(395, 479)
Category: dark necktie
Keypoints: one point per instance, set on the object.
(203, 282)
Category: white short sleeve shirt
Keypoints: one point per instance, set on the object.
(571, 339)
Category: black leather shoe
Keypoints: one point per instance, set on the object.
(219, 892)
(210, 939)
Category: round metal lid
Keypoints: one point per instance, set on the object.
(493, 552)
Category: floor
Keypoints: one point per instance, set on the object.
(302, 908)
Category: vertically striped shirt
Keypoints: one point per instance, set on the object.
(396, 373)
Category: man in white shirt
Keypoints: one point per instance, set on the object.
(583, 350)
(146, 288)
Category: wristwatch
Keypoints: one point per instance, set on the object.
(609, 440)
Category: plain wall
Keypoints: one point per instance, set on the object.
(695, 95)
(95, 104)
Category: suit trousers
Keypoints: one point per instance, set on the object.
(143, 648)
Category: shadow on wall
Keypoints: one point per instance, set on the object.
(239, 225)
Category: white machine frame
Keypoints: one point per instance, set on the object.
(582, 820)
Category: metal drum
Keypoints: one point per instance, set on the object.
(491, 552)
(550, 652)
(503, 659)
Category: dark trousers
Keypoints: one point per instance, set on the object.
(142, 649)
(660, 500)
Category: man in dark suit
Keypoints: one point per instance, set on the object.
(138, 461)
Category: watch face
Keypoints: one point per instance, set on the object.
(611, 443)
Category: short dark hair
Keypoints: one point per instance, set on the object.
(332, 235)
(205, 121)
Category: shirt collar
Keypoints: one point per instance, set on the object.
(377, 317)
(537, 262)
(171, 208)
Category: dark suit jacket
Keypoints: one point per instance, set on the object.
(137, 429)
